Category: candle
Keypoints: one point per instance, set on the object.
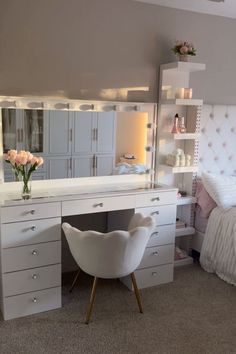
(188, 93)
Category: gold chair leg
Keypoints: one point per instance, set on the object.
(91, 301)
(137, 294)
(74, 281)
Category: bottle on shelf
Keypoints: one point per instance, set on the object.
(182, 128)
(175, 129)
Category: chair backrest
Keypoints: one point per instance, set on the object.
(110, 255)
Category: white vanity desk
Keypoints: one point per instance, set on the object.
(30, 264)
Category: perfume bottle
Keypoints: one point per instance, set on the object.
(175, 129)
(182, 128)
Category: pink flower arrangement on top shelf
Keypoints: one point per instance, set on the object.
(23, 164)
(183, 49)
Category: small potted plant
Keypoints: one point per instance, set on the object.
(183, 50)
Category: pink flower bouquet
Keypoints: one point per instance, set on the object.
(23, 164)
(184, 48)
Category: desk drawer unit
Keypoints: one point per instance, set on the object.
(25, 281)
(30, 303)
(96, 205)
(30, 212)
(32, 256)
(157, 264)
(162, 235)
(30, 232)
(154, 256)
(156, 199)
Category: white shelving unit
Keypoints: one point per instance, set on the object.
(175, 77)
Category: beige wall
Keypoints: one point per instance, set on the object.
(99, 48)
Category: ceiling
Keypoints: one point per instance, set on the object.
(225, 9)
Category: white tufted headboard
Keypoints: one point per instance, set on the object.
(217, 144)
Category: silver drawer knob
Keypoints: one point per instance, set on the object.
(98, 205)
(155, 199)
(33, 228)
(155, 253)
(154, 274)
(34, 253)
(32, 211)
(34, 276)
(155, 213)
(156, 233)
(35, 300)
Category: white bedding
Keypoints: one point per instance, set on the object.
(218, 253)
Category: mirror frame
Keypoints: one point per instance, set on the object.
(51, 103)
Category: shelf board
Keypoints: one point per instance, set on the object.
(185, 231)
(186, 136)
(184, 66)
(185, 261)
(184, 169)
(183, 102)
(186, 200)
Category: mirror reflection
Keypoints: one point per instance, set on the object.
(77, 144)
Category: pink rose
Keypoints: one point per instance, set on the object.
(40, 161)
(12, 155)
(184, 50)
(21, 158)
(34, 160)
(29, 156)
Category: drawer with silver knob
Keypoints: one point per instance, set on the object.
(163, 215)
(24, 281)
(96, 205)
(31, 303)
(32, 256)
(151, 276)
(30, 212)
(162, 235)
(157, 255)
(155, 199)
(30, 232)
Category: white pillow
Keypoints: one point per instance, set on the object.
(221, 188)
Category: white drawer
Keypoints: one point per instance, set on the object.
(30, 212)
(96, 205)
(35, 279)
(30, 303)
(154, 276)
(163, 215)
(156, 198)
(30, 232)
(157, 255)
(25, 257)
(162, 235)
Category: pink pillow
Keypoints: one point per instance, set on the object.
(206, 203)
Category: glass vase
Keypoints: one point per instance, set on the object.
(26, 190)
(183, 57)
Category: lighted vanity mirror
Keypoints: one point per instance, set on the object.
(81, 143)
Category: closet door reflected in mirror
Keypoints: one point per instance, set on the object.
(77, 144)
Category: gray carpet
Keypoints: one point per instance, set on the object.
(194, 314)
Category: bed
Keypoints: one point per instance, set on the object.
(215, 236)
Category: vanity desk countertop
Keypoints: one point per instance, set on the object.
(30, 236)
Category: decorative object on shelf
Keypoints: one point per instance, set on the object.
(188, 93)
(178, 159)
(183, 49)
(175, 129)
(182, 128)
(23, 164)
(180, 254)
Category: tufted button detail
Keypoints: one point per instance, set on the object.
(208, 171)
(201, 159)
(203, 130)
(210, 144)
(222, 172)
(232, 129)
(217, 130)
(226, 115)
(211, 115)
(216, 158)
(230, 157)
(224, 144)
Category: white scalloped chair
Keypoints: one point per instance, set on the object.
(111, 255)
